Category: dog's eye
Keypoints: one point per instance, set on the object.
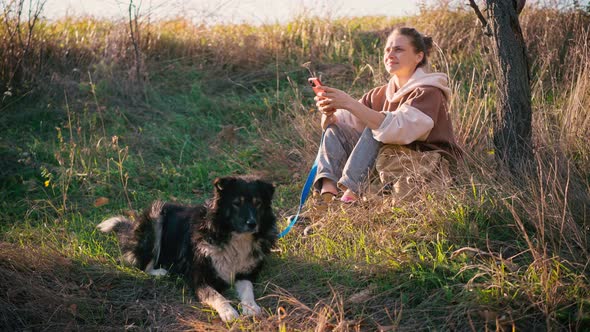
(237, 202)
(256, 202)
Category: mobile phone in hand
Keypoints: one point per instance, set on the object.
(316, 84)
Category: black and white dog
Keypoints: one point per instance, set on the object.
(212, 246)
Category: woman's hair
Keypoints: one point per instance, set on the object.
(420, 42)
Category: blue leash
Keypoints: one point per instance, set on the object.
(305, 191)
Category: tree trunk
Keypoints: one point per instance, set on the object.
(512, 128)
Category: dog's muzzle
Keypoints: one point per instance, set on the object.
(251, 224)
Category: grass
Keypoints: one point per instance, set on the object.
(83, 139)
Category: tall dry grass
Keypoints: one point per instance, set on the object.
(547, 215)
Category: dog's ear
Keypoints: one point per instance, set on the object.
(221, 184)
(267, 189)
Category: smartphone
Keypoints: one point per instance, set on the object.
(316, 84)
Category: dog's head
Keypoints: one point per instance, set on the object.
(243, 205)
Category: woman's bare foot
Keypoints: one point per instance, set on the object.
(349, 196)
(329, 186)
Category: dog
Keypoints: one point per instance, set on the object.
(213, 247)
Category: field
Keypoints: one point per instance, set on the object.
(101, 117)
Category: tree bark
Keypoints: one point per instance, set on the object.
(512, 128)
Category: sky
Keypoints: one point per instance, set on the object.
(237, 11)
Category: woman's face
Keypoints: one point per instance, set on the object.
(400, 57)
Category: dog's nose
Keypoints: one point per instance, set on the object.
(251, 223)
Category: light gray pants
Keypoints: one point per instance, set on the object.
(347, 157)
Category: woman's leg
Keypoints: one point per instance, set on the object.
(360, 164)
(336, 147)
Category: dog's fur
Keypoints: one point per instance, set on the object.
(213, 247)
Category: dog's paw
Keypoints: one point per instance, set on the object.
(227, 313)
(158, 272)
(250, 309)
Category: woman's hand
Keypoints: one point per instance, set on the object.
(322, 106)
(332, 99)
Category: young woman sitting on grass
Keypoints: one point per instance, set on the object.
(402, 120)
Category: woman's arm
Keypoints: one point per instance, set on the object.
(333, 98)
(414, 119)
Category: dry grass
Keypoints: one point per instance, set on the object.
(45, 290)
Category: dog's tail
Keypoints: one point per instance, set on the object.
(133, 238)
(124, 228)
(119, 224)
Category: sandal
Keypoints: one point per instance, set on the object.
(328, 196)
(321, 202)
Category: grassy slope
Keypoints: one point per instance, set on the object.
(482, 254)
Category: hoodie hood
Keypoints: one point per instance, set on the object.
(420, 78)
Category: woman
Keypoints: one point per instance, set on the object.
(409, 111)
